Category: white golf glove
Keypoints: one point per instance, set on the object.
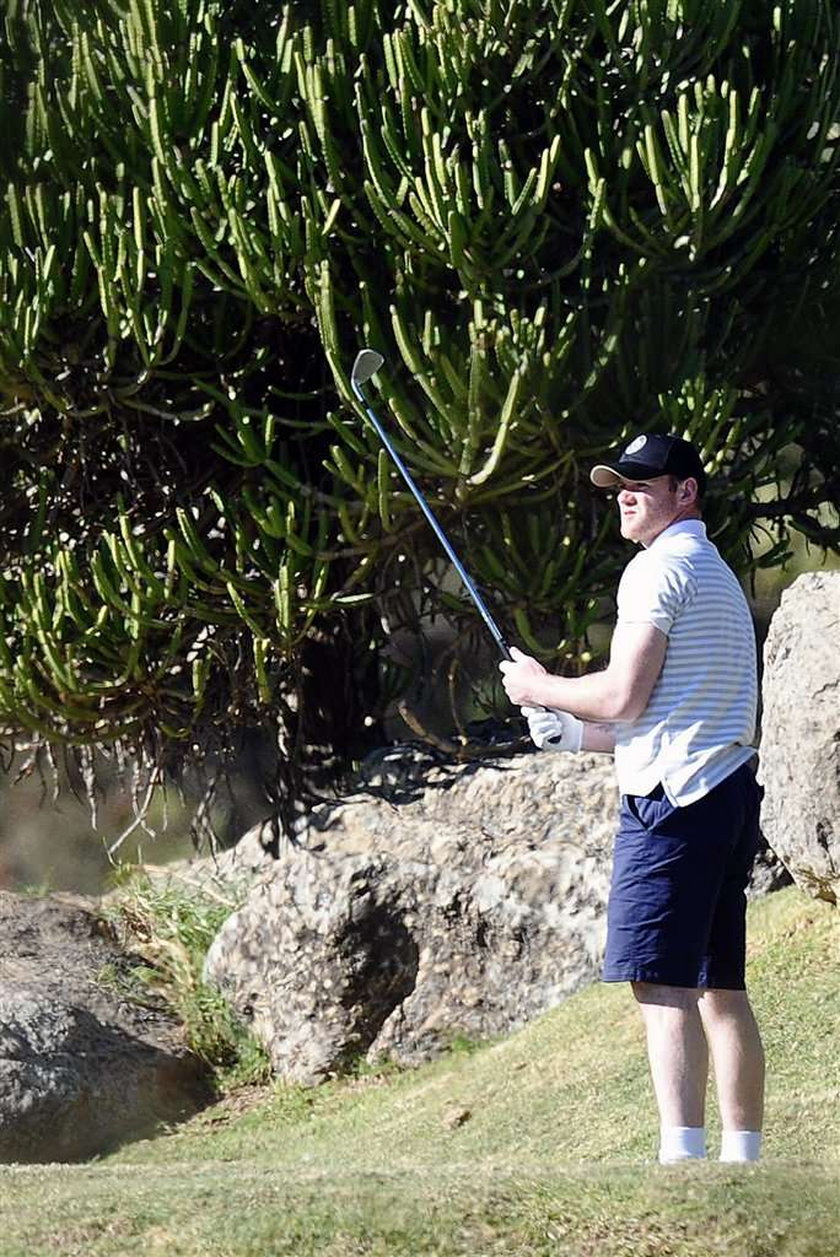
(553, 730)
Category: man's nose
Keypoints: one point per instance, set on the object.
(625, 495)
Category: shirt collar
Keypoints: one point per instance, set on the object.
(686, 527)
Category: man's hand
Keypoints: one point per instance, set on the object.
(521, 676)
(552, 730)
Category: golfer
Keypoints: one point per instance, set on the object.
(677, 706)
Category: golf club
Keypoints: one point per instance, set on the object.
(367, 363)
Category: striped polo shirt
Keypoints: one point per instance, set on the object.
(699, 723)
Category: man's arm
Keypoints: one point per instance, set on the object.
(600, 737)
(617, 694)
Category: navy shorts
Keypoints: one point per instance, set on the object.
(677, 908)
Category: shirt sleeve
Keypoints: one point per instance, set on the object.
(651, 592)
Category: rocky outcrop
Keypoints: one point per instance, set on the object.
(800, 744)
(466, 911)
(82, 1068)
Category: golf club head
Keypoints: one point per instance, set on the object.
(367, 363)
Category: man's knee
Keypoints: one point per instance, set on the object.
(658, 995)
(720, 1003)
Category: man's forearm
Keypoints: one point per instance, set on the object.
(594, 698)
(618, 694)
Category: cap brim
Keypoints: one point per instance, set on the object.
(604, 477)
(607, 477)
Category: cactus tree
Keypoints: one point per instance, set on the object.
(559, 221)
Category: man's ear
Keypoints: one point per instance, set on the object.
(689, 490)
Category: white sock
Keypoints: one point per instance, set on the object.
(740, 1145)
(682, 1143)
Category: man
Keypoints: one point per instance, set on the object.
(677, 705)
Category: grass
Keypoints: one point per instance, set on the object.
(171, 926)
(538, 1144)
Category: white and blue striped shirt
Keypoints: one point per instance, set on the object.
(699, 724)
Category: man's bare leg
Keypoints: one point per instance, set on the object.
(679, 1065)
(738, 1057)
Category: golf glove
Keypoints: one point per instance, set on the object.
(552, 730)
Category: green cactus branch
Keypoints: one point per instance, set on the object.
(559, 221)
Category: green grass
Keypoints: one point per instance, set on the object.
(542, 1143)
(171, 925)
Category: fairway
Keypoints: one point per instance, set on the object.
(540, 1143)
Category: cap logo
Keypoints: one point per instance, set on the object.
(634, 446)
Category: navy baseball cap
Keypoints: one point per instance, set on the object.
(648, 456)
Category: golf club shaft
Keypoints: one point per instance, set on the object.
(491, 624)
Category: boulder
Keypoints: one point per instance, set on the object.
(469, 907)
(800, 742)
(465, 911)
(390, 931)
(82, 1068)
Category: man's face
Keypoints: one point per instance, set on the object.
(647, 507)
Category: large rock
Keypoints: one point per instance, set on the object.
(466, 911)
(81, 1068)
(473, 906)
(800, 743)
